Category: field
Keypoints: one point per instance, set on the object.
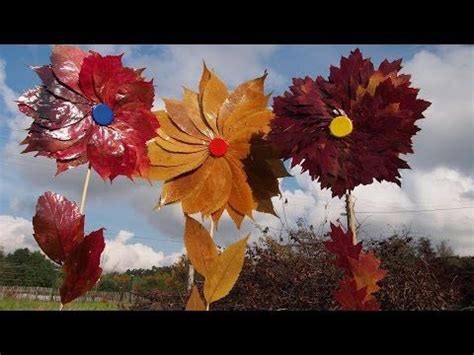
(26, 305)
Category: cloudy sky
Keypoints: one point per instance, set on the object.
(436, 199)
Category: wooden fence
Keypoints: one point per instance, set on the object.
(52, 294)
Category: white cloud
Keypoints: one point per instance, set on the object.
(120, 255)
(446, 79)
(16, 233)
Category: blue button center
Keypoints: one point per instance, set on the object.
(102, 114)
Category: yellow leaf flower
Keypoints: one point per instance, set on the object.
(202, 143)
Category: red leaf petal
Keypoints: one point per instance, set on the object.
(58, 226)
(66, 62)
(82, 267)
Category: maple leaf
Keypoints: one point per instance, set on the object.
(350, 298)
(341, 245)
(366, 272)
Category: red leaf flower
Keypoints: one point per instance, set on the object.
(91, 108)
(59, 230)
(377, 111)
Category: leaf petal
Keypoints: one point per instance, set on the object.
(200, 247)
(58, 226)
(225, 271)
(66, 63)
(213, 96)
(82, 270)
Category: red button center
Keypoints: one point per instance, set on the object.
(218, 147)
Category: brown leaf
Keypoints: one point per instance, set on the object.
(195, 302)
(225, 271)
(200, 247)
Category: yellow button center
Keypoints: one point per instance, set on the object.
(341, 126)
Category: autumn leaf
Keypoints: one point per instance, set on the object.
(352, 299)
(225, 271)
(81, 269)
(366, 272)
(195, 302)
(58, 226)
(341, 245)
(201, 249)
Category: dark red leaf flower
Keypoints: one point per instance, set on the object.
(59, 230)
(90, 108)
(351, 128)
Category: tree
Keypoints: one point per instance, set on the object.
(26, 268)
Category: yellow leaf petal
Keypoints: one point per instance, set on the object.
(158, 172)
(247, 126)
(195, 302)
(191, 102)
(235, 215)
(167, 126)
(179, 116)
(172, 145)
(242, 93)
(240, 198)
(213, 193)
(205, 77)
(213, 96)
(225, 271)
(200, 247)
(254, 102)
(185, 185)
(160, 157)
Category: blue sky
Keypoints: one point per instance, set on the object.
(442, 164)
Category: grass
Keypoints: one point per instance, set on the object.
(9, 304)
